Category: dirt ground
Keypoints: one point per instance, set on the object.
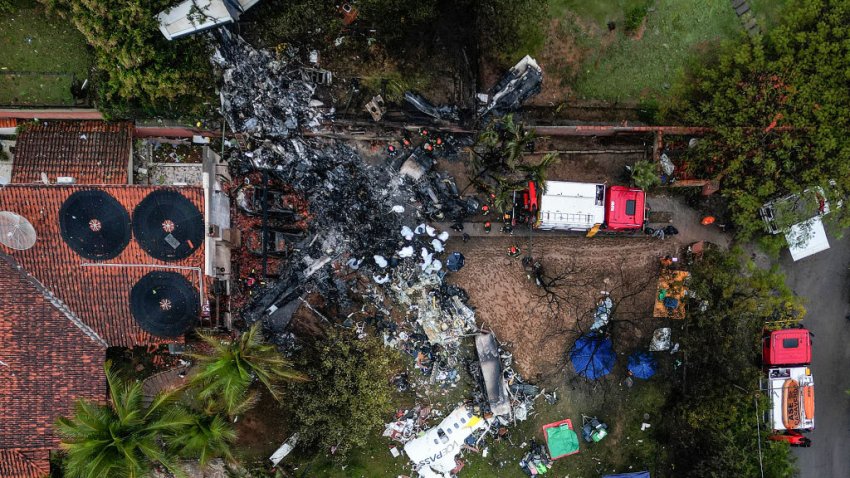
(521, 314)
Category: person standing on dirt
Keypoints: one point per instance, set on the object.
(514, 251)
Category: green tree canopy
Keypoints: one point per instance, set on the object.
(349, 395)
(137, 68)
(124, 438)
(226, 372)
(499, 164)
(713, 430)
(781, 109)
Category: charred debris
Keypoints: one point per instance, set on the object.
(370, 247)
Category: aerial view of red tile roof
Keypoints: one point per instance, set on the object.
(24, 463)
(97, 292)
(92, 152)
(47, 360)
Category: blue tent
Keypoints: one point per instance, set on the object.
(642, 365)
(639, 474)
(593, 356)
(455, 261)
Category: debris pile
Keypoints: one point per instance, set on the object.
(443, 112)
(536, 461)
(263, 96)
(519, 84)
(365, 243)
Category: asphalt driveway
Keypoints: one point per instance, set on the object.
(823, 279)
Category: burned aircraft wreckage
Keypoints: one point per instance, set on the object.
(370, 242)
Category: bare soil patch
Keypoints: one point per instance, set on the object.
(521, 314)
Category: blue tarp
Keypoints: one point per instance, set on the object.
(639, 474)
(593, 356)
(455, 261)
(642, 365)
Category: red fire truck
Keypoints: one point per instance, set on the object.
(786, 357)
(571, 206)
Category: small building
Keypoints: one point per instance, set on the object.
(86, 263)
(73, 152)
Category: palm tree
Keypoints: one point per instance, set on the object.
(121, 438)
(205, 437)
(539, 172)
(225, 374)
(517, 138)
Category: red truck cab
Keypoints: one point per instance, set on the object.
(626, 209)
(787, 347)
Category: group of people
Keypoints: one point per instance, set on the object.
(507, 228)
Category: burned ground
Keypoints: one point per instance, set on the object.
(519, 312)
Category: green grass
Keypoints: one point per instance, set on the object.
(601, 11)
(48, 51)
(631, 69)
(623, 68)
(626, 445)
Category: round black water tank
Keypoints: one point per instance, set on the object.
(164, 304)
(94, 224)
(168, 226)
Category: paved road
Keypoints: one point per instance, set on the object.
(823, 280)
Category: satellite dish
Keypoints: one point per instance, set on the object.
(16, 232)
(168, 226)
(164, 304)
(94, 224)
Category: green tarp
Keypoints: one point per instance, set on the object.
(561, 440)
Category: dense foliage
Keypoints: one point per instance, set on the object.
(349, 395)
(714, 430)
(229, 368)
(137, 69)
(500, 164)
(126, 438)
(780, 107)
(645, 175)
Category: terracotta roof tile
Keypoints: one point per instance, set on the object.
(24, 463)
(48, 363)
(92, 152)
(97, 294)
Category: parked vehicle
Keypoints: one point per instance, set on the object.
(799, 217)
(571, 206)
(786, 356)
(787, 347)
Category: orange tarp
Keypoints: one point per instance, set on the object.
(671, 284)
